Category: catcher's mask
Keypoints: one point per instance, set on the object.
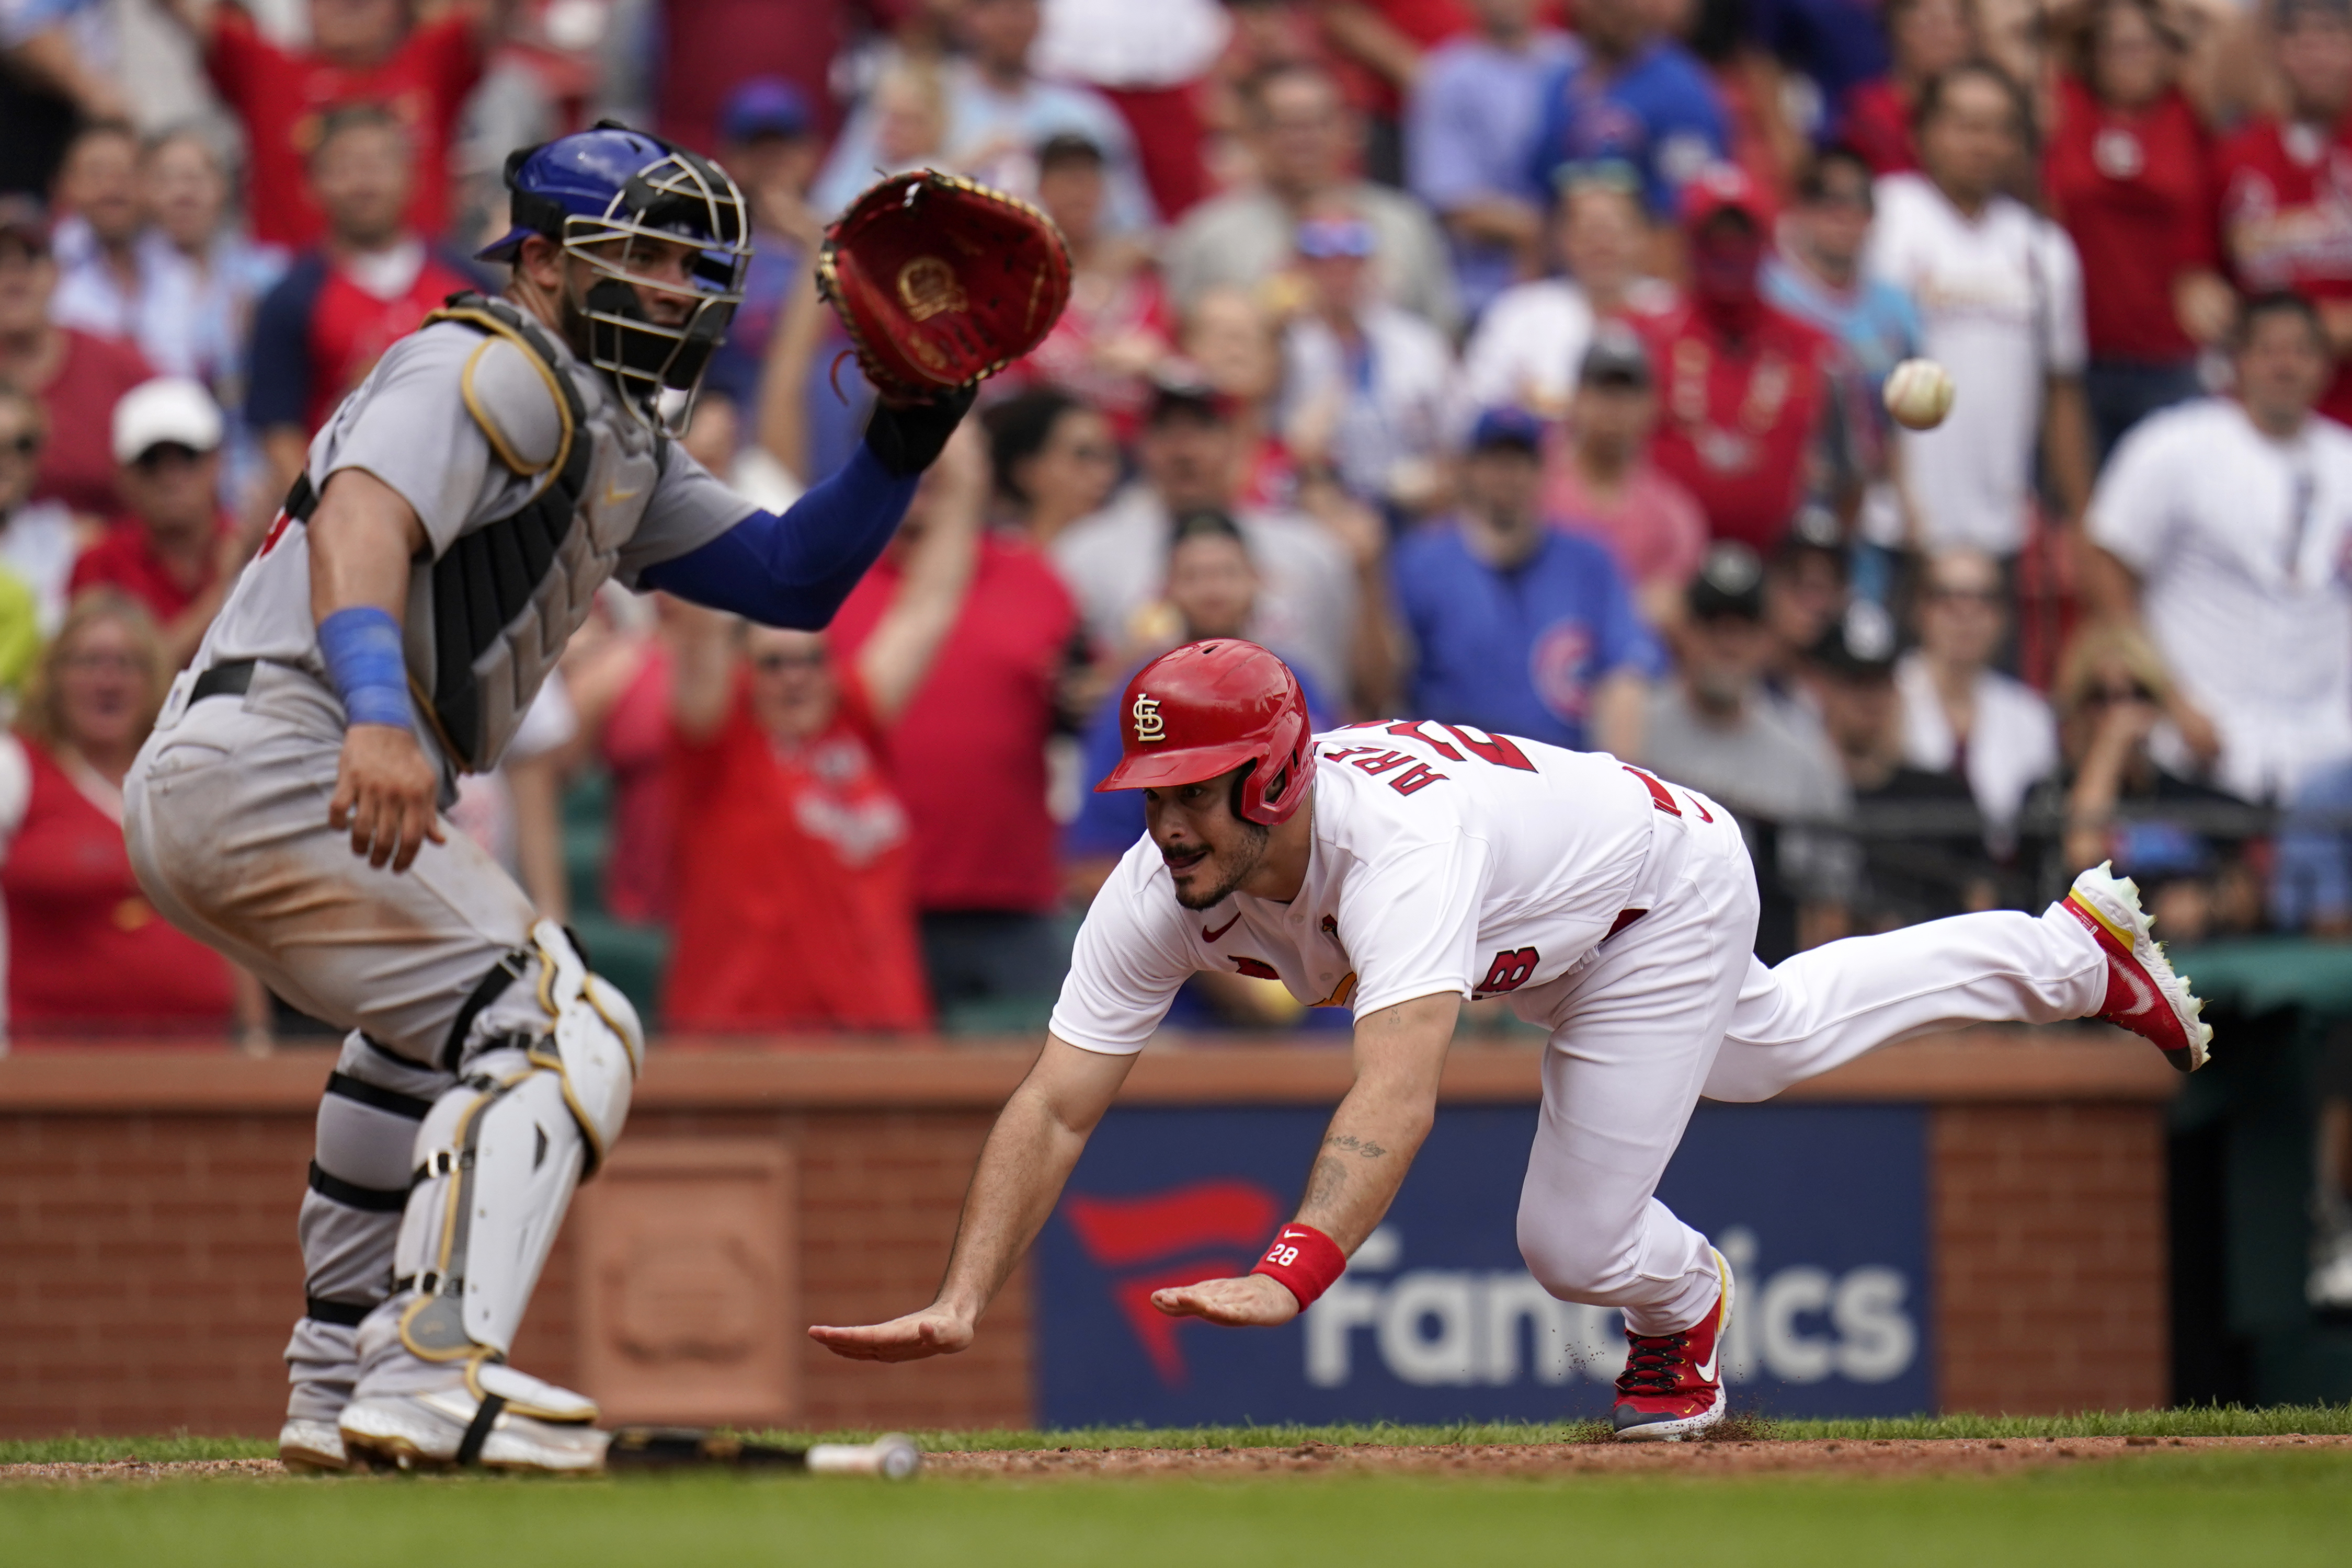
(607, 194)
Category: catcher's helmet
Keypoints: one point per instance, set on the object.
(1207, 708)
(593, 192)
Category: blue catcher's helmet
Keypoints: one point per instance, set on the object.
(602, 195)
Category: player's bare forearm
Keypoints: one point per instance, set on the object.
(1029, 1154)
(1379, 1127)
(1367, 1149)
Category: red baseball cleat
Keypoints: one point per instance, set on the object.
(2144, 995)
(1672, 1386)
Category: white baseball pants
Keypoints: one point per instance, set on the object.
(1675, 1008)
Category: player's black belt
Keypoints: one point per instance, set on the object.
(230, 680)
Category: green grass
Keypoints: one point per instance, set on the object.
(2203, 1421)
(2281, 1509)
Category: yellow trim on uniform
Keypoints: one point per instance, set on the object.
(490, 323)
(537, 1412)
(416, 1309)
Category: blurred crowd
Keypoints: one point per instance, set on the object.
(1511, 364)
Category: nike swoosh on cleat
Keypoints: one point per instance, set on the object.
(2144, 996)
(1209, 936)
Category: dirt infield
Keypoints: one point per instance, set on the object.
(1914, 1457)
(1721, 1456)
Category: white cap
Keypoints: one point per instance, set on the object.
(169, 408)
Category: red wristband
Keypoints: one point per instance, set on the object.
(1305, 1261)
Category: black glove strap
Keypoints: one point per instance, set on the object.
(908, 439)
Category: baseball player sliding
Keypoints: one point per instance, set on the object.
(458, 514)
(1398, 868)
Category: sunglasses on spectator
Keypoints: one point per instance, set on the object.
(164, 454)
(776, 663)
(1991, 597)
(1319, 238)
(2107, 696)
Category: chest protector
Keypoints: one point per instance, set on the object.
(483, 591)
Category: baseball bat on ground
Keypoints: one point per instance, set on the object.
(893, 1456)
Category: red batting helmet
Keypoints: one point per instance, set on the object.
(1207, 708)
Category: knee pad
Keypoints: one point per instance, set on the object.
(594, 1041)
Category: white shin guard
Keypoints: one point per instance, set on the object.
(500, 1157)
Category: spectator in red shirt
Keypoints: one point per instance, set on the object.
(1928, 37)
(2286, 182)
(77, 376)
(970, 751)
(342, 305)
(795, 886)
(173, 551)
(2129, 172)
(421, 61)
(88, 953)
(1749, 411)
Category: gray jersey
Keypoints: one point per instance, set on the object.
(466, 428)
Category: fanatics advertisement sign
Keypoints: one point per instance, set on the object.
(1821, 1210)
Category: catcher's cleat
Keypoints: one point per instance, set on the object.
(2144, 995)
(310, 1446)
(1672, 1386)
(497, 1418)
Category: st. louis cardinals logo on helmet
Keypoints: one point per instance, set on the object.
(1207, 708)
(602, 194)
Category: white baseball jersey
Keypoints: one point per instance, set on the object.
(408, 423)
(1446, 859)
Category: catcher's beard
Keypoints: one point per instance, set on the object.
(572, 321)
(1239, 860)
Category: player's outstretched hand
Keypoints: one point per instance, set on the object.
(1254, 1301)
(386, 792)
(931, 1332)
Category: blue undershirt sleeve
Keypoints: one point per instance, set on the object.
(795, 570)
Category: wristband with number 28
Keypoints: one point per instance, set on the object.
(1304, 1260)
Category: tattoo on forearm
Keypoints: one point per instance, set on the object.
(1354, 1146)
(1326, 1181)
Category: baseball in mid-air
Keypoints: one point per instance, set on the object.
(1919, 394)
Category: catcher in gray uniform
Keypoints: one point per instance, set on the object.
(457, 517)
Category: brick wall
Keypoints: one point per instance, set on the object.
(148, 1273)
(2049, 1252)
(151, 1276)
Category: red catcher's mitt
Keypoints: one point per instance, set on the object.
(941, 282)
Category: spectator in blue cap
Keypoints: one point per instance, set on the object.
(767, 143)
(1517, 627)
